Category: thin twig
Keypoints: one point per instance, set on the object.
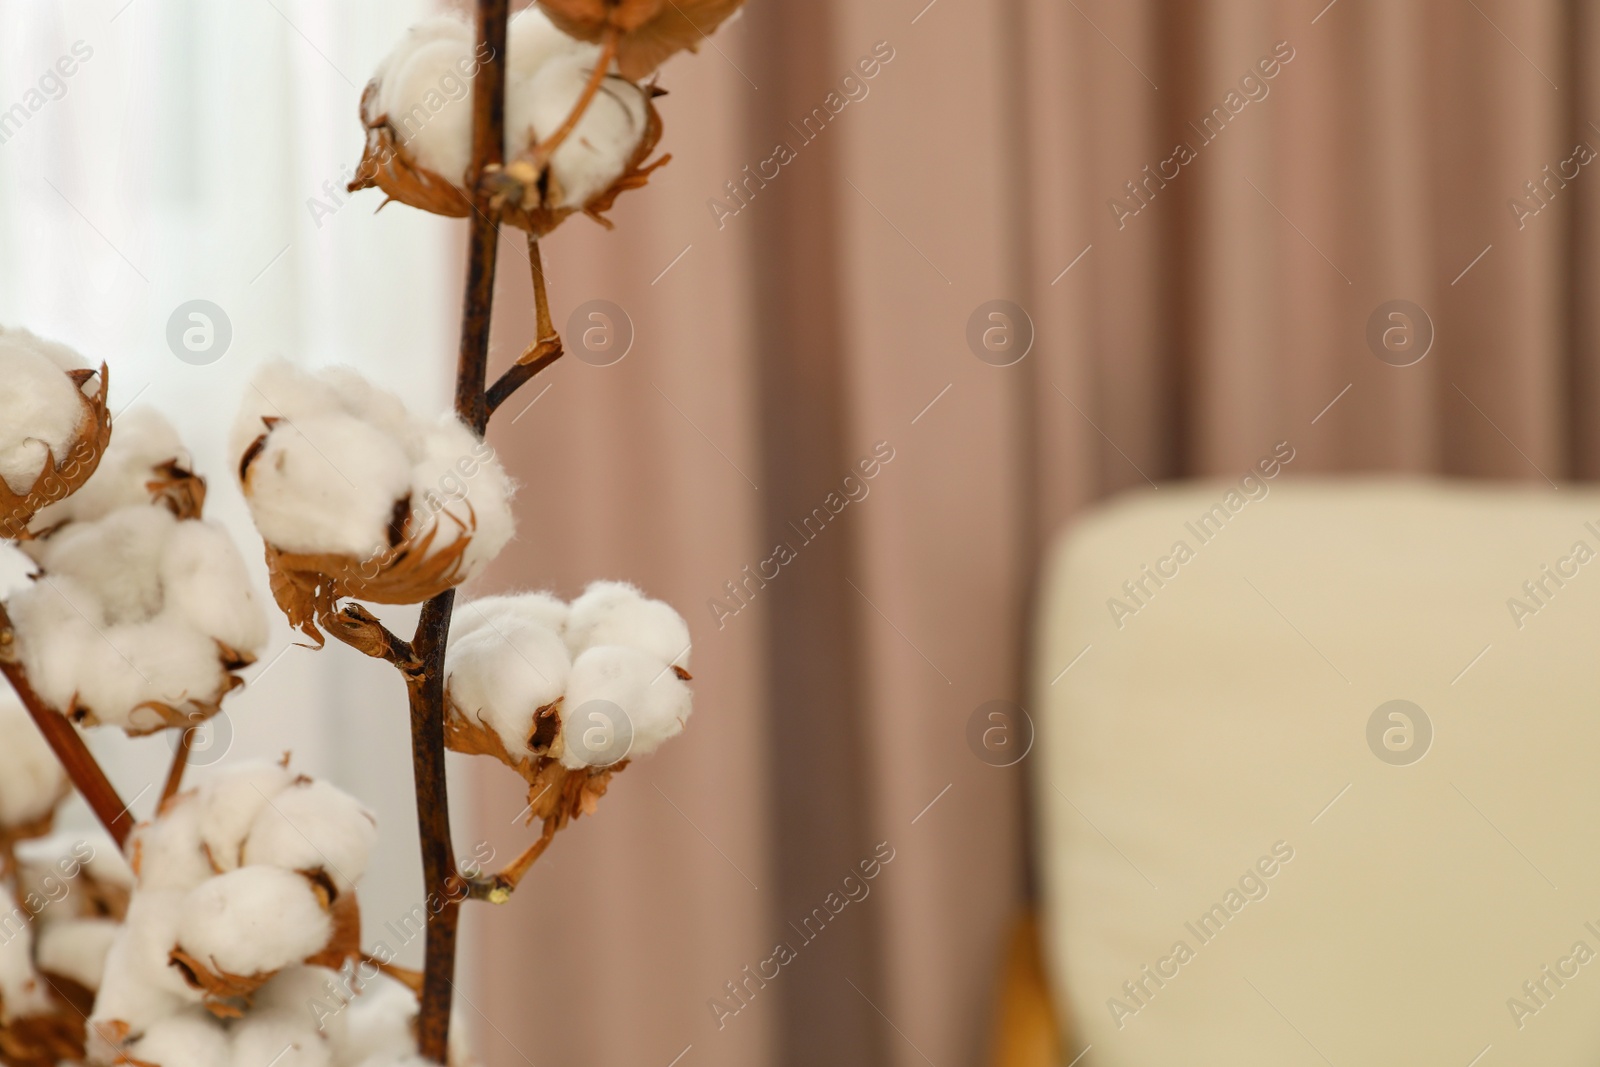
(543, 352)
(82, 769)
(608, 52)
(180, 763)
(519, 374)
(498, 889)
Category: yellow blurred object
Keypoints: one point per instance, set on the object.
(1025, 1030)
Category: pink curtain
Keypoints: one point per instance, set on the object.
(1340, 157)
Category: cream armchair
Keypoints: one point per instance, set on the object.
(1316, 775)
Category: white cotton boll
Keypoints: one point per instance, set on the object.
(599, 149)
(141, 441)
(532, 41)
(327, 483)
(168, 853)
(655, 700)
(139, 987)
(63, 356)
(189, 1039)
(254, 920)
(458, 483)
(50, 869)
(22, 991)
(427, 97)
(31, 779)
(315, 995)
(617, 613)
(379, 1024)
(118, 558)
(41, 409)
(205, 582)
(140, 962)
(277, 1039)
(502, 672)
(313, 825)
(542, 609)
(281, 390)
(229, 805)
(76, 948)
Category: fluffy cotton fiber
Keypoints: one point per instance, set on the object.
(130, 610)
(344, 469)
(254, 920)
(141, 442)
(507, 659)
(598, 150)
(41, 408)
(654, 699)
(612, 648)
(255, 912)
(228, 806)
(31, 780)
(617, 613)
(428, 102)
(190, 1039)
(313, 826)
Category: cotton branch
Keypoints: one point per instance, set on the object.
(546, 348)
(426, 689)
(498, 888)
(65, 741)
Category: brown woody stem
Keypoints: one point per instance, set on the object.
(180, 763)
(82, 769)
(426, 686)
(498, 889)
(608, 52)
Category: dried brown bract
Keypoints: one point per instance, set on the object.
(62, 475)
(649, 30)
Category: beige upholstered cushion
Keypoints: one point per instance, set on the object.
(1225, 722)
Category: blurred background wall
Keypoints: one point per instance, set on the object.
(1187, 311)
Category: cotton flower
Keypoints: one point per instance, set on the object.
(144, 462)
(313, 826)
(192, 1038)
(228, 805)
(422, 88)
(603, 143)
(506, 663)
(617, 613)
(22, 991)
(653, 701)
(355, 496)
(42, 409)
(32, 782)
(139, 986)
(418, 113)
(138, 619)
(168, 853)
(76, 949)
(253, 921)
(228, 914)
(281, 1038)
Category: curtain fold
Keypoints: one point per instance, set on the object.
(1187, 316)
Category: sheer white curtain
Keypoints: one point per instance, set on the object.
(155, 152)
